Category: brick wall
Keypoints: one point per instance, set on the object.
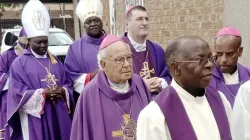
(172, 18)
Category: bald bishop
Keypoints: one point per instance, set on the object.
(188, 109)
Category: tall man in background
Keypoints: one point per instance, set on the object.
(148, 57)
(81, 60)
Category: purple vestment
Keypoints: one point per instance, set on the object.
(230, 91)
(97, 117)
(156, 59)
(82, 56)
(20, 39)
(25, 78)
(6, 60)
(177, 120)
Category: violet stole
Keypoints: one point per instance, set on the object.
(177, 120)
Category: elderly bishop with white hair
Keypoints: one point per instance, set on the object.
(39, 94)
(110, 104)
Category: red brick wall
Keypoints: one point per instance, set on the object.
(172, 18)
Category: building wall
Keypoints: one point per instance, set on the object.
(237, 15)
(172, 18)
(168, 18)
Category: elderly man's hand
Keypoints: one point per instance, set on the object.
(153, 84)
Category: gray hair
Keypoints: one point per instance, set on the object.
(100, 56)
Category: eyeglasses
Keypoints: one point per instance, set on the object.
(201, 61)
(121, 60)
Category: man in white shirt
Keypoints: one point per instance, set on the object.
(187, 109)
(241, 114)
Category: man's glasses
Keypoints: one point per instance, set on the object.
(121, 60)
(201, 61)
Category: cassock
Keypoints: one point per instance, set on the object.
(81, 59)
(99, 112)
(240, 118)
(177, 115)
(29, 115)
(229, 84)
(6, 60)
(149, 58)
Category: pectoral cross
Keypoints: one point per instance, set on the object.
(127, 129)
(50, 80)
(145, 70)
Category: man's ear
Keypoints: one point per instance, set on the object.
(174, 68)
(240, 51)
(103, 64)
(126, 24)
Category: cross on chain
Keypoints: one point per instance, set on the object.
(50, 80)
(127, 130)
(145, 71)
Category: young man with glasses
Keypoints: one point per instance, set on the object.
(228, 74)
(188, 109)
(110, 104)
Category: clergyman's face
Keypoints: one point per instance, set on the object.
(118, 63)
(228, 51)
(195, 74)
(39, 44)
(93, 26)
(138, 25)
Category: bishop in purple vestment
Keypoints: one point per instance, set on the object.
(6, 60)
(188, 109)
(228, 74)
(81, 61)
(39, 96)
(110, 104)
(148, 57)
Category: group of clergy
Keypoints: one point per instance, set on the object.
(122, 88)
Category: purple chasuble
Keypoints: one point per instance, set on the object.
(82, 56)
(6, 60)
(156, 59)
(229, 91)
(25, 78)
(98, 117)
(177, 120)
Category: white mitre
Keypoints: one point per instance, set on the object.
(89, 8)
(35, 19)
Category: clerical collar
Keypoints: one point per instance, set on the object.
(37, 55)
(138, 47)
(184, 94)
(123, 89)
(231, 79)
